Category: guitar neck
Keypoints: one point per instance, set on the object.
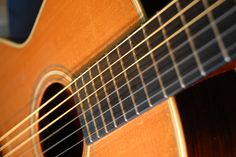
(178, 46)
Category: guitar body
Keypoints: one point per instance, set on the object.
(66, 36)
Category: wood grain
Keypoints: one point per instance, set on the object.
(150, 134)
(68, 34)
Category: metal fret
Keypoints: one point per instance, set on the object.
(101, 95)
(216, 32)
(155, 67)
(90, 106)
(109, 103)
(227, 7)
(192, 45)
(171, 55)
(116, 88)
(98, 104)
(122, 91)
(139, 70)
(200, 40)
(112, 90)
(129, 88)
(172, 65)
(84, 118)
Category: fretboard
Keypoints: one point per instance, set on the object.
(181, 44)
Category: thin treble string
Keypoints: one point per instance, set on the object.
(196, 69)
(131, 65)
(200, 50)
(231, 47)
(20, 134)
(54, 145)
(176, 81)
(108, 96)
(71, 83)
(100, 74)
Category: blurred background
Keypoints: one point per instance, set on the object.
(17, 18)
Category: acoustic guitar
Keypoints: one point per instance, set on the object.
(98, 78)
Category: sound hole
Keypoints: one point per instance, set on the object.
(53, 140)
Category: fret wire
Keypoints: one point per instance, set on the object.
(185, 59)
(34, 112)
(98, 104)
(109, 103)
(191, 71)
(139, 71)
(85, 120)
(2, 137)
(190, 23)
(130, 110)
(90, 107)
(232, 46)
(192, 45)
(169, 21)
(155, 67)
(128, 84)
(175, 81)
(194, 70)
(117, 93)
(171, 55)
(216, 32)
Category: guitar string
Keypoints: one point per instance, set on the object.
(9, 142)
(18, 136)
(102, 128)
(219, 55)
(189, 56)
(208, 62)
(81, 75)
(22, 122)
(141, 58)
(174, 50)
(55, 144)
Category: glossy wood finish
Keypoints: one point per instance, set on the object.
(67, 35)
(150, 134)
